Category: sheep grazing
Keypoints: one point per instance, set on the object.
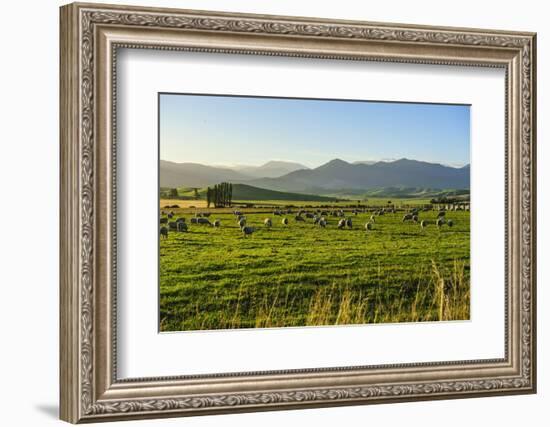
(172, 225)
(164, 232)
(182, 226)
(267, 222)
(277, 213)
(441, 214)
(237, 213)
(349, 223)
(407, 217)
(299, 218)
(369, 226)
(203, 221)
(206, 214)
(423, 223)
(450, 222)
(415, 218)
(440, 221)
(217, 223)
(309, 215)
(241, 222)
(180, 220)
(170, 215)
(194, 220)
(285, 221)
(247, 231)
(164, 220)
(322, 223)
(341, 223)
(316, 220)
(372, 218)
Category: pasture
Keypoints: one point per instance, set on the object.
(303, 275)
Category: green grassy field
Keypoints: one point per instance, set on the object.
(303, 275)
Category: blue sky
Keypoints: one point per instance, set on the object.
(222, 130)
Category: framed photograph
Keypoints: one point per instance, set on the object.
(266, 212)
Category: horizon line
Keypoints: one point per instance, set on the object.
(354, 162)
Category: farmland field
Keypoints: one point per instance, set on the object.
(304, 275)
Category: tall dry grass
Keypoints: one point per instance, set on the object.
(441, 295)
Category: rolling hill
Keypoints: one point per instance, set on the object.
(246, 192)
(195, 175)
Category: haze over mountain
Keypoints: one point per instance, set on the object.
(271, 169)
(329, 178)
(365, 162)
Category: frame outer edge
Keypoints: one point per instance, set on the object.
(533, 201)
(77, 226)
(69, 354)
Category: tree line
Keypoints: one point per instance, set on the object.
(220, 195)
(172, 193)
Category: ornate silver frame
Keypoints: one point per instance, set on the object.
(90, 36)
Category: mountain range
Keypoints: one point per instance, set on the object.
(330, 178)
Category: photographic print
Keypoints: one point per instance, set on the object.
(291, 212)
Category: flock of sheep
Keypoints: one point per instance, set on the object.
(317, 217)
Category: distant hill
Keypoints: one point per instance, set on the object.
(195, 175)
(272, 169)
(247, 192)
(414, 192)
(338, 175)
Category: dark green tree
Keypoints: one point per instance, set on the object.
(216, 196)
(208, 197)
(173, 194)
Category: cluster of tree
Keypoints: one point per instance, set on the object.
(172, 193)
(446, 200)
(220, 195)
(169, 193)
